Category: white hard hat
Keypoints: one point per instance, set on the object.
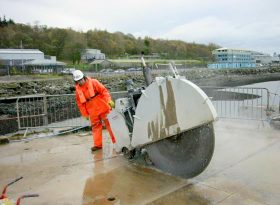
(77, 75)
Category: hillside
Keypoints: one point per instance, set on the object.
(67, 44)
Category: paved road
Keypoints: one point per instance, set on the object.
(244, 170)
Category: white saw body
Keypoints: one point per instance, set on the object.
(169, 108)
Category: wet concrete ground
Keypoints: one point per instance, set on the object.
(244, 170)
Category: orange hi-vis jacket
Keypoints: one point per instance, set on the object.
(92, 98)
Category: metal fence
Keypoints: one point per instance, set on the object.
(45, 110)
(61, 110)
(242, 102)
(51, 111)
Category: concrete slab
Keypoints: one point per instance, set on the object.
(244, 170)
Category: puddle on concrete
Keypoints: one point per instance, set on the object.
(108, 148)
(129, 184)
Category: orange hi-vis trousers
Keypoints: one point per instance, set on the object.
(96, 126)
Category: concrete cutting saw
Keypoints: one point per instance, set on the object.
(170, 122)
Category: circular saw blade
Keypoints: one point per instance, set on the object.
(186, 154)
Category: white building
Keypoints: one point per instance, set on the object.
(17, 57)
(264, 59)
(28, 60)
(90, 55)
(240, 58)
(232, 58)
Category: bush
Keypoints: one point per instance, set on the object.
(14, 71)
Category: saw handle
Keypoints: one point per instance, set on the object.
(146, 71)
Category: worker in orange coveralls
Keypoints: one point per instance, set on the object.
(95, 103)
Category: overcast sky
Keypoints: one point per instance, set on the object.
(246, 24)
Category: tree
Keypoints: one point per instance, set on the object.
(4, 22)
(58, 38)
(147, 45)
(68, 44)
(75, 44)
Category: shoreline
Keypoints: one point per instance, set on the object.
(236, 80)
(28, 85)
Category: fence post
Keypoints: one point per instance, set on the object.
(267, 107)
(45, 110)
(18, 114)
(279, 106)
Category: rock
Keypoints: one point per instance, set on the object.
(275, 122)
(4, 140)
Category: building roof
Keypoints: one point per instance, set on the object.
(92, 49)
(99, 61)
(15, 51)
(232, 49)
(242, 50)
(44, 62)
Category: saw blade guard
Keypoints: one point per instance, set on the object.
(170, 106)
